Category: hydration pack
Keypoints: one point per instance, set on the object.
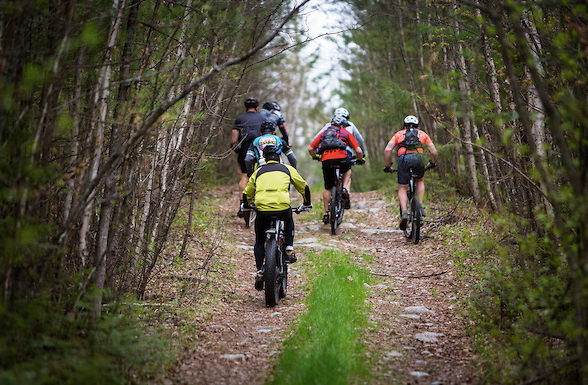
(331, 140)
(411, 139)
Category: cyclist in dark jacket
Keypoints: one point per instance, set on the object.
(245, 129)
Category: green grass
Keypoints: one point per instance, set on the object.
(327, 348)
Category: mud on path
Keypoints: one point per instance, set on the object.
(416, 334)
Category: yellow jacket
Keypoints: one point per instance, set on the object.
(270, 185)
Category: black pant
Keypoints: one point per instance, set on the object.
(262, 222)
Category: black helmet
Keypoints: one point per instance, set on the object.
(271, 149)
(268, 106)
(267, 125)
(276, 106)
(251, 103)
(338, 120)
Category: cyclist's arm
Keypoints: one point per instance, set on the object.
(388, 153)
(300, 185)
(292, 159)
(358, 137)
(313, 146)
(433, 152)
(353, 143)
(235, 137)
(284, 132)
(249, 192)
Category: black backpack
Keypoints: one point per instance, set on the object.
(411, 139)
(330, 140)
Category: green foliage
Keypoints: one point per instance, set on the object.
(42, 345)
(325, 349)
(522, 312)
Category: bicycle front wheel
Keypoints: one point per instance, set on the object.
(334, 210)
(271, 273)
(416, 222)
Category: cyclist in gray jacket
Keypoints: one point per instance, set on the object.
(355, 132)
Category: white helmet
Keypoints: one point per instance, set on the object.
(343, 112)
(411, 119)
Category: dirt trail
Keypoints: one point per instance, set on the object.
(418, 337)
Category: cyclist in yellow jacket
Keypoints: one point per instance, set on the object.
(269, 185)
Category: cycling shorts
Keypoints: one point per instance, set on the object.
(406, 162)
(329, 167)
(241, 156)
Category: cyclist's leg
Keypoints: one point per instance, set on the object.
(261, 225)
(402, 197)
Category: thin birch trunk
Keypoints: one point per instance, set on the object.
(106, 208)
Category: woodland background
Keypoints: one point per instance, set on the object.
(113, 113)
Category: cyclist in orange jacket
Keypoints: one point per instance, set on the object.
(410, 142)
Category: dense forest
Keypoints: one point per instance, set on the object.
(114, 113)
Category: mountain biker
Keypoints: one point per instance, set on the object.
(269, 185)
(254, 157)
(410, 142)
(353, 130)
(333, 158)
(272, 111)
(245, 129)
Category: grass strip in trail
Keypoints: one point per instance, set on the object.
(326, 348)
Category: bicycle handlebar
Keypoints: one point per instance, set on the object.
(300, 209)
(427, 167)
(353, 159)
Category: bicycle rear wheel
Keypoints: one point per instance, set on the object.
(334, 210)
(416, 215)
(271, 273)
(283, 281)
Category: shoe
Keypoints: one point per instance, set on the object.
(423, 211)
(240, 213)
(291, 256)
(326, 218)
(403, 220)
(259, 281)
(345, 196)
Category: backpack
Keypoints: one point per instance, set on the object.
(330, 140)
(411, 139)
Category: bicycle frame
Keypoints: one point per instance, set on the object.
(275, 268)
(415, 213)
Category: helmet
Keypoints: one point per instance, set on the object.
(276, 106)
(268, 106)
(338, 120)
(267, 125)
(271, 149)
(342, 111)
(411, 119)
(251, 103)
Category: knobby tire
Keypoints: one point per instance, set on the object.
(334, 209)
(416, 215)
(271, 273)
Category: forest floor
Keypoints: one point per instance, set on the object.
(230, 337)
